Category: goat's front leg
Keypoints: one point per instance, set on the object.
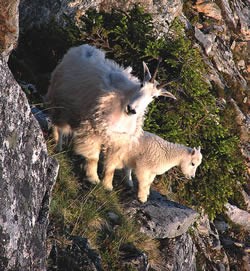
(109, 170)
(90, 148)
(91, 167)
(58, 137)
(110, 164)
(145, 180)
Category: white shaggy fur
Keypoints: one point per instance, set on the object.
(150, 156)
(99, 101)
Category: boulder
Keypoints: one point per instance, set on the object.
(27, 175)
(238, 216)
(78, 255)
(209, 9)
(9, 26)
(207, 40)
(177, 254)
(161, 218)
(132, 258)
(210, 252)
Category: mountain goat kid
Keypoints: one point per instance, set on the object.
(98, 101)
(150, 156)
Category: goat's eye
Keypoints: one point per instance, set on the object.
(130, 110)
(193, 164)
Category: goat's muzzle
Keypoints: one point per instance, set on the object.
(130, 110)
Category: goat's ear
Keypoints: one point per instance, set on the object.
(128, 70)
(194, 150)
(147, 74)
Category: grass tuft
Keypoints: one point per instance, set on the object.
(81, 209)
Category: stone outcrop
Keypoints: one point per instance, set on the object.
(209, 8)
(160, 218)
(220, 42)
(76, 256)
(177, 254)
(238, 216)
(27, 175)
(8, 26)
(39, 12)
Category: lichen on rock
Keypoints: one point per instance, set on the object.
(27, 177)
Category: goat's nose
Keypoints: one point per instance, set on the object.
(130, 110)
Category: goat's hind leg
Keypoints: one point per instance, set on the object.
(60, 133)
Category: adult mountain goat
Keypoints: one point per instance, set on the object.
(100, 102)
(150, 156)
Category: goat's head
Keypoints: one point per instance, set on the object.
(149, 90)
(190, 164)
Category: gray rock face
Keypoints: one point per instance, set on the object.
(38, 12)
(177, 254)
(221, 55)
(133, 259)
(238, 216)
(223, 59)
(164, 12)
(215, 37)
(185, 254)
(161, 218)
(210, 253)
(27, 175)
(77, 256)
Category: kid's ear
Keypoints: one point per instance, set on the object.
(194, 150)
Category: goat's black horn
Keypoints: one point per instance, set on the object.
(163, 85)
(167, 83)
(156, 70)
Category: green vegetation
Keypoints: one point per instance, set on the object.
(195, 119)
(84, 210)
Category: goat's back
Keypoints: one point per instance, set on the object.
(80, 79)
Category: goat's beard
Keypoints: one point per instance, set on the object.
(123, 123)
(111, 119)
